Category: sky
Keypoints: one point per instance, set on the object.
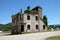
(50, 8)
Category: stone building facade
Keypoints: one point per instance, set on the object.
(29, 21)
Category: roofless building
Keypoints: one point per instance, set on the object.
(29, 21)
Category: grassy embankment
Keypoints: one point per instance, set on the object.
(54, 38)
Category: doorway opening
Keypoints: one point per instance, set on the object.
(43, 26)
(22, 28)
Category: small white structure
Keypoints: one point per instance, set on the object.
(1, 32)
(52, 29)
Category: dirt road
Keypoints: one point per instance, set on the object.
(32, 36)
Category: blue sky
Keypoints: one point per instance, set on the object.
(51, 8)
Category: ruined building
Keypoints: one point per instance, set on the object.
(29, 21)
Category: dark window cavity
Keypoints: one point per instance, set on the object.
(28, 26)
(36, 26)
(36, 17)
(28, 17)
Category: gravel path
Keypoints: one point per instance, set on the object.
(32, 36)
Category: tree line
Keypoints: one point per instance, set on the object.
(6, 27)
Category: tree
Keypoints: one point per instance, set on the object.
(28, 8)
(45, 20)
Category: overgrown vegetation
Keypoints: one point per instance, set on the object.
(27, 11)
(36, 8)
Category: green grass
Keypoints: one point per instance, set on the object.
(54, 38)
(7, 32)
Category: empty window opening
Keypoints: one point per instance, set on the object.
(36, 26)
(28, 17)
(36, 17)
(28, 26)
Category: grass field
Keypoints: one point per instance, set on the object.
(7, 32)
(54, 38)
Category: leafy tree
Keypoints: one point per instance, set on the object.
(28, 10)
(45, 20)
